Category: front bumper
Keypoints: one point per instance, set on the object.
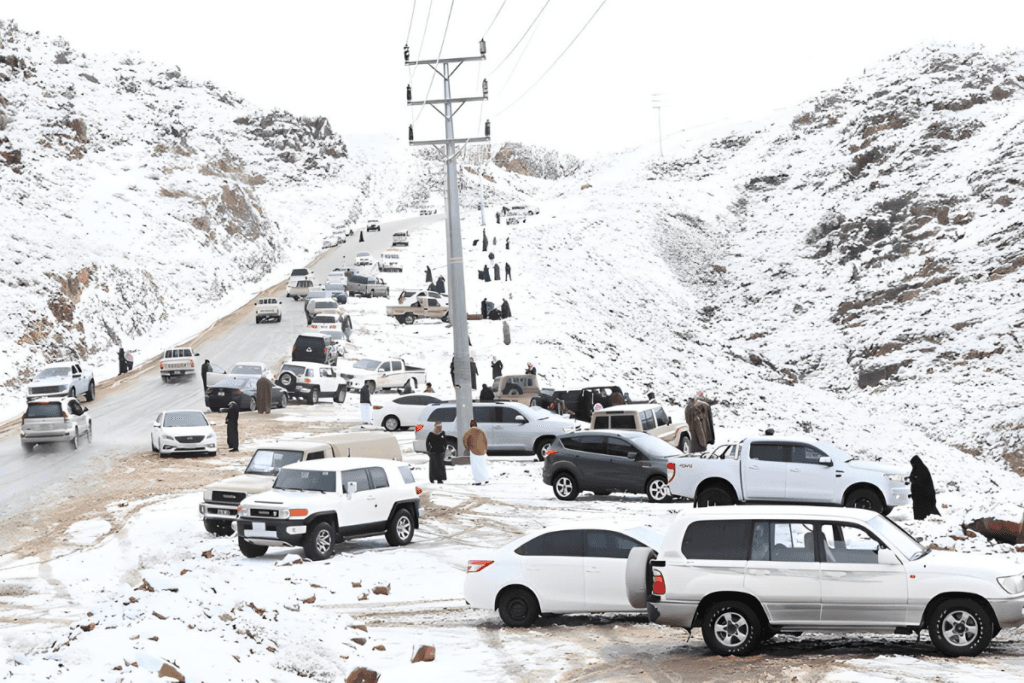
(671, 613)
(898, 494)
(1009, 613)
(189, 449)
(271, 532)
(219, 511)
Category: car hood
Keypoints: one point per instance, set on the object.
(285, 498)
(880, 467)
(949, 562)
(54, 382)
(247, 483)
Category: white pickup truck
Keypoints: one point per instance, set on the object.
(790, 470)
(389, 374)
(268, 308)
(63, 379)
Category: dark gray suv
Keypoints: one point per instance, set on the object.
(607, 460)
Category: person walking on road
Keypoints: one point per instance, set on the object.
(475, 442)
(232, 425)
(264, 392)
(207, 368)
(364, 402)
(508, 271)
(506, 310)
(122, 362)
(346, 327)
(496, 367)
(437, 442)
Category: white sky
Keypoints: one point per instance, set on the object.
(710, 60)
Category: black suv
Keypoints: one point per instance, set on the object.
(580, 400)
(606, 461)
(314, 348)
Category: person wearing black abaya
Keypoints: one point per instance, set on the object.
(430, 276)
(122, 362)
(205, 369)
(496, 367)
(922, 490)
(497, 273)
(506, 310)
(360, 235)
(487, 394)
(472, 372)
(440, 284)
(436, 444)
(232, 424)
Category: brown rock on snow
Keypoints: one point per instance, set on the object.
(170, 671)
(382, 590)
(362, 675)
(424, 654)
(358, 641)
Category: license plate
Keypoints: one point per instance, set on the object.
(259, 526)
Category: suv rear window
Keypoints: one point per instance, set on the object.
(442, 415)
(406, 474)
(269, 461)
(44, 410)
(627, 421)
(717, 540)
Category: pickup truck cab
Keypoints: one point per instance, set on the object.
(422, 307)
(792, 470)
(643, 417)
(389, 374)
(315, 505)
(367, 286)
(63, 379)
(179, 362)
(310, 381)
(268, 308)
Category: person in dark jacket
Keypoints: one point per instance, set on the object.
(530, 369)
(264, 394)
(430, 276)
(497, 273)
(436, 444)
(497, 217)
(122, 362)
(204, 370)
(487, 394)
(496, 367)
(360, 235)
(483, 309)
(440, 284)
(487, 274)
(506, 310)
(472, 372)
(506, 242)
(922, 490)
(346, 327)
(364, 402)
(485, 239)
(232, 425)
(508, 271)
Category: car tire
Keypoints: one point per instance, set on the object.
(27, 447)
(400, 529)
(518, 608)
(451, 451)
(314, 397)
(74, 440)
(541, 447)
(391, 423)
(286, 381)
(864, 499)
(90, 395)
(88, 435)
(284, 400)
(340, 395)
(410, 385)
(153, 445)
(657, 490)
(251, 549)
(164, 378)
(445, 318)
(960, 627)
(637, 572)
(713, 496)
(218, 527)
(251, 405)
(319, 543)
(684, 444)
(408, 318)
(72, 393)
(514, 391)
(731, 628)
(565, 486)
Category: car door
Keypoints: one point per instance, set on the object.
(381, 496)
(590, 449)
(77, 381)
(77, 416)
(508, 429)
(156, 430)
(784, 572)
(487, 418)
(328, 380)
(764, 472)
(552, 566)
(604, 570)
(359, 507)
(384, 375)
(614, 468)
(807, 479)
(855, 588)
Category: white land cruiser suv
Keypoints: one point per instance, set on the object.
(57, 419)
(744, 574)
(317, 504)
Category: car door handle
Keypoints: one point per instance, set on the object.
(795, 469)
(759, 572)
(593, 570)
(753, 467)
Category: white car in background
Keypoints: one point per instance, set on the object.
(363, 259)
(400, 412)
(243, 369)
(562, 570)
(182, 432)
(63, 379)
(325, 321)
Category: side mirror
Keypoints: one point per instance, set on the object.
(886, 556)
(156, 424)
(351, 488)
(380, 370)
(634, 455)
(520, 420)
(825, 460)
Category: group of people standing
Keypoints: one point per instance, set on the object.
(475, 443)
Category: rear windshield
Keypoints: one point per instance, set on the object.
(185, 419)
(300, 271)
(44, 410)
(296, 370)
(53, 372)
(269, 461)
(307, 480)
(315, 342)
(326, 303)
(178, 353)
(242, 369)
(325, 319)
(367, 364)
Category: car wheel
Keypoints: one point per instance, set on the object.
(410, 385)
(400, 528)
(451, 451)
(72, 393)
(408, 318)
(74, 440)
(864, 499)
(731, 628)
(314, 397)
(391, 423)
(541, 447)
(90, 395)
(657, 490)
(713, 496)
(445, 318)
(164, 378)
(251, 405)
(319, 543)
(684, 444)
(340, 395)
(960, 628)
(88, 435)
(152, 444)
(251, 549)
(565, 486)
(284, 400)
(27, 447)
(218, 527)
(518, 608)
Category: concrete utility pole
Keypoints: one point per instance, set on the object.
(456, 271)
(656, 102)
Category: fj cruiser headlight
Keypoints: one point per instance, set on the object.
(1012, 584)
(894, 477)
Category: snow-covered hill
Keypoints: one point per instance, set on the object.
(134, 202)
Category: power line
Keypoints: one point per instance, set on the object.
(433, 72)
(411, 17)
(492, 20)
(521, 38)
(556, 60)
(515, 66)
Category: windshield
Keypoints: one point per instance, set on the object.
(895, 535)
(269, 461)
(53, 372)
(367, 364)
(652, 446)
(186, 418)
(306, 480)
(241, 369)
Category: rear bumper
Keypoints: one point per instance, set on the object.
(1009, 613)
(48, 437)
(672, 613)
(177, 373)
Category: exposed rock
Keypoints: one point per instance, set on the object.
(11, 158)
(999, 530)
(425, 653)
(382, 590)
(874, 376)
(362, 675)
(535, 161)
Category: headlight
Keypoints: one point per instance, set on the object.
(207, 496)
(894, 477)
(1012, 584)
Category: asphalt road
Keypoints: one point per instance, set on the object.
(126, 406)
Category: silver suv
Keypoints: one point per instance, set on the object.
(511, 428)
(55, 419)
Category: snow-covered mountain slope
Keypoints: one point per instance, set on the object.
(133, 200)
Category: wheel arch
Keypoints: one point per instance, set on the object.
(325, 516)
(513, 586)
(716, 481)
(536, 442)
(862, 485)
(408, 506)
(712, 598)
(953, 595)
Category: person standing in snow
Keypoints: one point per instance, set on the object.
(699, 422)
(430, 276)
(508, 271)
(231, 422)
(472, 372)
(487, 394)
(497, 273)
(506, 243)
(122, 362)
(364, 402)
(922, 490)
(506, 310)
(483, 309)
(496, 367)
(346, 327)
(485, 239)
(429, 389)
(440, 284)
(497, 217)
(206, 368)
(475, 442)
(530, 370)
(264, 392)
(486, 273)
(436, 445)
(360, 235)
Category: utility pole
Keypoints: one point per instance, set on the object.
(446, 68)
(656, 102)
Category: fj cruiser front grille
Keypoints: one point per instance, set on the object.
(227, 496)
(264, 513)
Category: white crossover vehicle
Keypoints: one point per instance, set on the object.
(743, 574)
(63, 379)
(400, 412)
(315, 504)
(55, 420)
(574, 569)
(182, 432)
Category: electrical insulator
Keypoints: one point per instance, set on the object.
(487, 128)
(410, 132)
(485, 87)
(408, 93)
(483, 47)
(407, 53)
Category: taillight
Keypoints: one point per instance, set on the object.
(65, 415)
(671, 471)
(419, 427)
(658, 587)
(418, 490)
(378, 407)
(236, 391)
(476, 565)
(298, 513)
(551, 451)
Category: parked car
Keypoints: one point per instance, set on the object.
(414, 294)
(318, 292)
(400, 412)
(563, 570)
(53, 420)
(220, 500)
(643, 417)
(390, 261)
(363, 259)
(523, 389)
(337, 291)
(182, 432)
(312, 347)
(791, 470)
(325, 320)
(268, 308)
(422, 307)
(367, 285)
(241, 390)
(519, 210)
(427, 211)
(373, 225)
(315, 505)
(744, 574)
(63, 379)
(298, 289)
(316, 306)
(511, 429)
(400, 239)
(178, 362)
(337, 275)
(241, 370)
(310, 381)
(301, 272)
(579, 400)
(382, 375)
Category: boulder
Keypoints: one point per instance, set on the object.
(425, 653)
(362, 675)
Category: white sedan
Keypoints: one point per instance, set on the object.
(401, 411)
(183, 432)
(242, 369)
(564, 570)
